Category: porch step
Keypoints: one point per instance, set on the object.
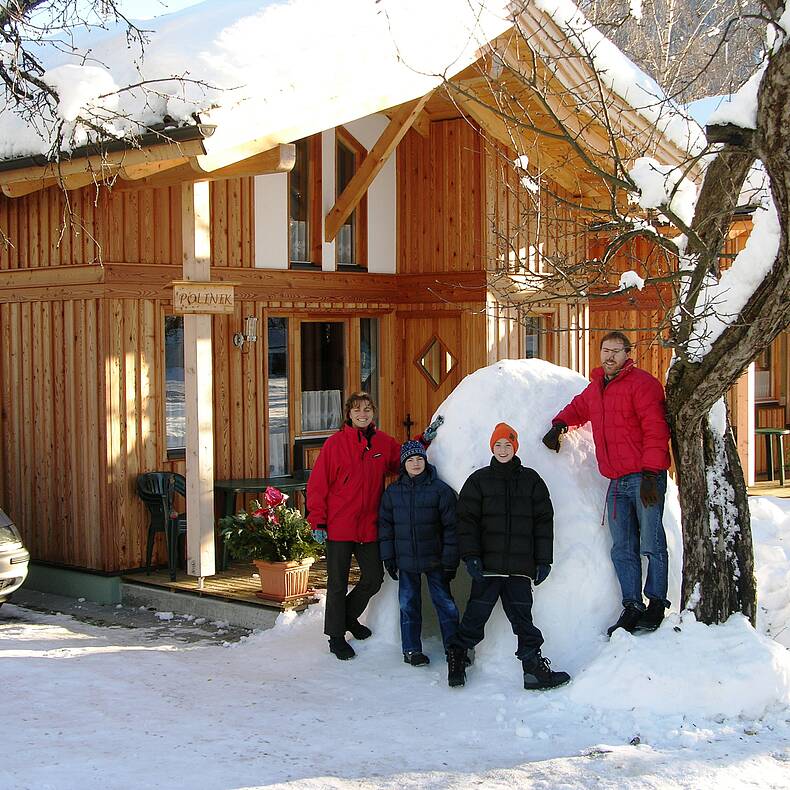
(236, 613)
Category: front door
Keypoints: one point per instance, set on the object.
(432, 367)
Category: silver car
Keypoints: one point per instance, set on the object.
(13, 558)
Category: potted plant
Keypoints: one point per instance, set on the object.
(278, 540)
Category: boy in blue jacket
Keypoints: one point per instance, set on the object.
(417, 535)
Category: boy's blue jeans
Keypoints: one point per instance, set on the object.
(410, 599)
(638, 530)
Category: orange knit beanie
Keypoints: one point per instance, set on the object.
(504, 431)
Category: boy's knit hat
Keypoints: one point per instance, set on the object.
(501, 431)
(410, 449)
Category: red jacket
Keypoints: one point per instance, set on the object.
(345, 487)
(628, 419)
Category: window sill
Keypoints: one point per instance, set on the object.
(351, 267)
(176, 455)
(304, 265)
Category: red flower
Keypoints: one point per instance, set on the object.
(274, 497)
(261, 512)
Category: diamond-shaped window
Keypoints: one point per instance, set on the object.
(436, 362)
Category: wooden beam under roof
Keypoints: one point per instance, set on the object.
(95, 163)
(279, 159)
(400, 123)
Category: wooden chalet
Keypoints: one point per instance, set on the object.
(362, 256)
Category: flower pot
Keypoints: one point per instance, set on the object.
(283, 581)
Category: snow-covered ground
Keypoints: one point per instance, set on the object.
(689, 706)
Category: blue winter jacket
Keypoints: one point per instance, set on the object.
(417, 523)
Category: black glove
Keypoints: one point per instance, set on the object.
(542, 572)
(449, 575)
(553, 438)
(648, 489)
(475, 568)
(392, 569)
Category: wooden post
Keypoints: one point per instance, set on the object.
(744, 421)
(198, 390)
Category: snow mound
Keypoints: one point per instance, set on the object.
(725, 670)
(771, 536)
(581, 597)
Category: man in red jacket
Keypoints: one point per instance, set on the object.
(626, 408)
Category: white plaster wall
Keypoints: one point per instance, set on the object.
(271, 221)
(381, 197)
(271, 206)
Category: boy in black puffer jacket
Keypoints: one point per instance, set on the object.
(417, 535)
(506, 536)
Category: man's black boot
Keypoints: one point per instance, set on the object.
(456, 667)
(652, 617)
(416, 658)
(358, 631)
(538, 674)
(628, 619)
(340, 648)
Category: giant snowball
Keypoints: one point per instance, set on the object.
(581, 597)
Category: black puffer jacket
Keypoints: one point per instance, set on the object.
(417, 523)
(505, 517)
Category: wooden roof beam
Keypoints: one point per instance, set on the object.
(401, 122)
(279, 159)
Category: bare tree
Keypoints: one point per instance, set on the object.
(525, 84)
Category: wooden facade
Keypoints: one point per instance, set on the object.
(84, 296)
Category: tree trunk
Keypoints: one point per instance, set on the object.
(718, 565)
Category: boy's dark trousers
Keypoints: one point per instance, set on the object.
(343, 607)
(410, 600)
(516, 595)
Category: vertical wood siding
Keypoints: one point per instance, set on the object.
(90, 225)
(440, 199)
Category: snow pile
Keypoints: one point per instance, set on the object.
(581, 597)
(662, 185)
(710, 671)
(771, 537)
(282, 69)
(631, 279)
(740, 109)
(720, 302)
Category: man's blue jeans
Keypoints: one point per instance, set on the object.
(410, 600)
(637, 530)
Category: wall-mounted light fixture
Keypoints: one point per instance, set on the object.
(249, 335)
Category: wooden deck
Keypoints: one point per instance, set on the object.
(238, 583)
(770, 488)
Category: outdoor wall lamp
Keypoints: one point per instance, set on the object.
(250, 333)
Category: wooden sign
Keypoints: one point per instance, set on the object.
(197, 297)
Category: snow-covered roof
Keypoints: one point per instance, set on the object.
(264, 69)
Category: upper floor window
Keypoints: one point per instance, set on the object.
(304, 203)
(351, 241)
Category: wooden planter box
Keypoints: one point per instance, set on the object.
(283, 581)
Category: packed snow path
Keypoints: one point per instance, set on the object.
(107, 708)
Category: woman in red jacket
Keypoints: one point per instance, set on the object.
(343, 495)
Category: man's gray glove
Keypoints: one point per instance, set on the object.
(648, 489)
(553, 438)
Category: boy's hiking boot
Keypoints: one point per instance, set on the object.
(628, 620)
(358, 631)
(538, 674)
(340, 648)
(456, 667)
(652, 617)
(416, 658)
